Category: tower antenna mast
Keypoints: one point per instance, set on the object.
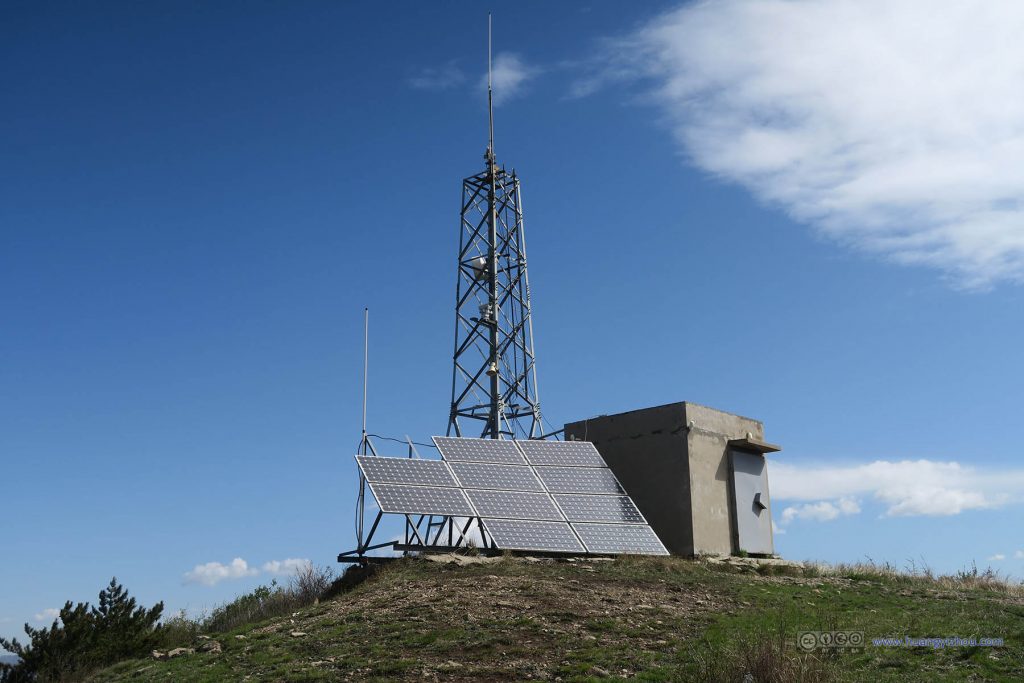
(494, 378)
(490, 95)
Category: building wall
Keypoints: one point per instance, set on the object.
(710, 499)
(647, 450)
(673, 460)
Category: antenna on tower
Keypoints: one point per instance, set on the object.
(490, 98)
(494, 379)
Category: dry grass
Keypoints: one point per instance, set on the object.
(763, 657)
(970, 578)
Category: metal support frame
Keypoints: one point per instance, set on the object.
(494, 378)
(422, 533)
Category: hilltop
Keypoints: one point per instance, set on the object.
(653, 619)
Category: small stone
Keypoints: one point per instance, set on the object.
(204, 637)
(180, 652)
(159, 656)
(298, 634)
(599, 672)
(211, 647)
(239, 637)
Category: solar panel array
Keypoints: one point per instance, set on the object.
(553, 496)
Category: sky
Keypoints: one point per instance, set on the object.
(809, 213)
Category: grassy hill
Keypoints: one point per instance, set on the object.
(653, 619)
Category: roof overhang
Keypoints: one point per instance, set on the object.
(753, 445)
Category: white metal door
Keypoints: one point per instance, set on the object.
(753, 509)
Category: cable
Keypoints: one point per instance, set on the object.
(389, 438)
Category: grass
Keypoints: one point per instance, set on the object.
(652, 619)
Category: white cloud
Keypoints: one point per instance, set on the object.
(1019, 555)
(894, 127)
(287, 567)
(438, 78)
(822, 511)
(509, 75)
(212, 573)
(907, 487)
(48, 614)
(998, 557)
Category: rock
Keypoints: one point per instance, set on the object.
(298, 634)
(211, 647)
(599, 672)
(239, 637)
(204, 637)
(180, 652)
(159, 656)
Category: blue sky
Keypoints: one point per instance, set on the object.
(773, 215)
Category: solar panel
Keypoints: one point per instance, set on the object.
(612, 509)
(565, 453)
(457, 449)
(638, 539)
(579, 480)
(511, 534)
(514, 505)
(422, 500)
(529, 495)
(406, 471)
(484, 475)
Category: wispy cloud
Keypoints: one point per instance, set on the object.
(906, 487)
(442, 77)
(509, 76)
(894, 127)
(287, 567)
(822, 511)
(998, 557)
(212, 573)
(48, 614)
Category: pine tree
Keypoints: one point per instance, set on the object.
(83, 638)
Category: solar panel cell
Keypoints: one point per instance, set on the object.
(482, 475)
(611, 509)
(531, 535)
(422, 500)
(563, 453)
(514, 505)
(457, 449)
(406, 471)
(579, 480)
(638, 539)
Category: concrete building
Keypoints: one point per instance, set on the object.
(697, 474)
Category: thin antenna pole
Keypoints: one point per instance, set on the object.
(364, 444)
(490, 99)
(366, 365)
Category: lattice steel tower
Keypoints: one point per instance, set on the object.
(494, 380)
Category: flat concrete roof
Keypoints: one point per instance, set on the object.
(668, 405)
